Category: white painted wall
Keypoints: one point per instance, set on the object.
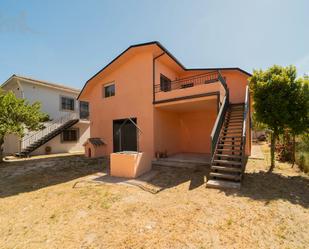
(51, 104)
(50, 98)
(58, 146)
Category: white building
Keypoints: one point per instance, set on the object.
(68, 127)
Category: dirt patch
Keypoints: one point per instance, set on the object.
(41, 209)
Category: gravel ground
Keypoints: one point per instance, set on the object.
(39, 208)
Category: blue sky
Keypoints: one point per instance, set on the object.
(69, 41)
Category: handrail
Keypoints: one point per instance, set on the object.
(28, 140)
(220, 117)
(210, 77)
(244, 131)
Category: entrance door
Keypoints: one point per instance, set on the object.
(125, 135)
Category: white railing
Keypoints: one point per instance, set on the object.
(55, 124)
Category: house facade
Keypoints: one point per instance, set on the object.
(146, 100)
(68, 127)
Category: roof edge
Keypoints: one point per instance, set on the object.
(42, 82)
(168, 53)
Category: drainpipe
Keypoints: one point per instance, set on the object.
(154, 76)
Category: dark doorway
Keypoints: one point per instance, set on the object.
(89, 152)
(125, 135)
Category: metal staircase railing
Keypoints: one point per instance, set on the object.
(220, 118)
(55, 124)
(244, 131)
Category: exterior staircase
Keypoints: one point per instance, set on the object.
(227, 166)
(34, 141)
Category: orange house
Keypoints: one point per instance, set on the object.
(145, 100)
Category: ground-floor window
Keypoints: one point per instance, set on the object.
(69, 135)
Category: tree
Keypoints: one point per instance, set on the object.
(299, 109)
(271, 89)
(18, 115)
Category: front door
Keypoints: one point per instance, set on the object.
(125, 135)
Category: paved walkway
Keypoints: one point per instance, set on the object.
(256, 152)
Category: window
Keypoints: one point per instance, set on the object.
(109, 90)
(67, 103)
(165, 83)
(69, 135)
(84, 110)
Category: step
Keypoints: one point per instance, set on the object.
(222, 184)
(178, 164)
(229, 156)
(226, 169)
(225, 136)
(232, 129)
(228, 162)
(230, 145)
(225, 176)
(229, 150)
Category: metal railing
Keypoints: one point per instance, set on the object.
(220, 118)
(206, 78)
(244, 131)
(55, 124)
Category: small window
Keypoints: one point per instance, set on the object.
(187, 85)
(109, 90)
(165, 83)
(67, 103)
(84, 110)
(69, 135)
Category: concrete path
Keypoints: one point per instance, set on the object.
(256, 152)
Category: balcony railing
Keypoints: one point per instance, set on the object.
(187, 82)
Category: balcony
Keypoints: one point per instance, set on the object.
(207, 84)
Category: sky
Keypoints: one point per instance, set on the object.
(68, 41)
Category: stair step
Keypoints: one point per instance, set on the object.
(229, 156)
(230, 150)
(225, 176)
(226, 169)
(222, 184)
(230, 145)
(227, 162)
(225, 136)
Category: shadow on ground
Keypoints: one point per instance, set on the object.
(171, 177)
(267, 187)
(26, 176)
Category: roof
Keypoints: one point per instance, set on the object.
(169, 54)
(42, 83)
(95, 141)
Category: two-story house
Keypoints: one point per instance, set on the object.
(68, 127)
(146, 100)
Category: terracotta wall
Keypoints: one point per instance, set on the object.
(196, 128)
(133, 98)
(183, 132)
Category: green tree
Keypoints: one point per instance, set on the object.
(271, 90)
(299, 109)
(17, 115)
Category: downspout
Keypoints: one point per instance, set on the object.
(154, 76)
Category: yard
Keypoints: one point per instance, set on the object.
(53, 204)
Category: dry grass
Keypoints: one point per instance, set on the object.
(40, 209)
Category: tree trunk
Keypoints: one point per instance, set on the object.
(272, 151)
(1, 149)
(294, 150)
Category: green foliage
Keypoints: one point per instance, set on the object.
(271, 89)
(16, 115)
(280, 101)
(298, 109)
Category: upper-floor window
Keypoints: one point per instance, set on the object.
(84, 110)
(165, 83)
(67, 103)
(109, 90)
